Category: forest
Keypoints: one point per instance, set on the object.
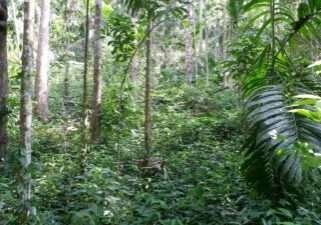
(160, 112)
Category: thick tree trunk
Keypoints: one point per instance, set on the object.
(85, 122)
(189, 47)
(26, 113)
(3, 77)
(148, 90)
(42, 62)
(97, 73)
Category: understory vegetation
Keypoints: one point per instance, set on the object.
(160, 112)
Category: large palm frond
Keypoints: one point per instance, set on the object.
(272, 163)
(273, 128)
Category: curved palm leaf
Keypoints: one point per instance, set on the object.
(272, 129)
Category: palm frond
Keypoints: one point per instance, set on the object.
(272, 129)
(234, 9)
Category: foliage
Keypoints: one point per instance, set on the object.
(269, 83)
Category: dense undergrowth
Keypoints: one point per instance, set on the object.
(198, 133)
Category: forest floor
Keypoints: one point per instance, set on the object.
(200, 184)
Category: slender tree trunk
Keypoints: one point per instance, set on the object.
(205, 44)
(196, 53)
(26, 114)
(148, 90)
(4, 80)
(42, 88)
(223, 41)
(217, 41)
(67, 18)
(189, 47)
(15, 21)
(134, 68)
(97, 73)
(273, 46)
(85, 123)
(201, 34)
(207, 68)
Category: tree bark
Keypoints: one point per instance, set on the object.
(189, 47)
(42, 88)
(85, 122)
(97, 73)
(4, 80)
(26, 114)
(148, 90)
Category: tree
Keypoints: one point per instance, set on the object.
(134, 67)
(189, 46)
(85, 116)
(148, 88)
(42, 62)
(25, 180)
(153, 10)
(68, 18)
(223, 44)
(97, 72)
(3, 77)
(146, 6)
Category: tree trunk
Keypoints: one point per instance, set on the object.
(201, 35)
(189, 47)
(97, 73)
(134, 68)
(207, 68)
(85, 123)
(196, 54)
(67, 18)
(15, 22)
(26, 114)
(42, 62)
(223, 42)
(4, 80)
(148, 100)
